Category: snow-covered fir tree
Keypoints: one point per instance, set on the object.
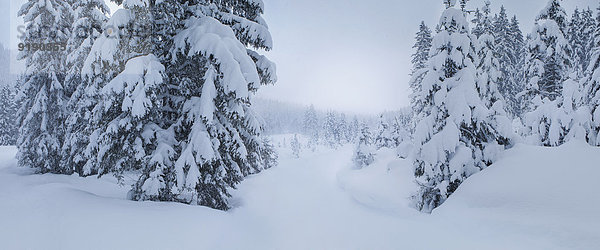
(311, 126)
(592, 87)
(501, 31)
(578, 121)
(119, 97)
(512, 93)
(570, 115)
(483, 22)
(175, 102)
(489, 72)
(580, 35)
(548, 69)
(518, 40)
(588, 30)
(89, 17)
(354, 130)
(296, 147)
(553, 123)
(364, 153)
(575, 40)
(548, 58)
(399, 133)
(463, 5)
(404, 117)
(458, 135)
(343, 129)
(476, 21)
(331, 132)
(209, 138)
(383, 138)
(42, 90)
(8, 114)
(508, 49)
(422, 47)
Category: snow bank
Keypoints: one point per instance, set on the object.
(385, 185)
(547, 193)
(533, 198)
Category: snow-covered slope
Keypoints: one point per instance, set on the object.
(533, 198)
(549, 194)
(536, 198)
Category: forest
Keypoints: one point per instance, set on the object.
(148, 113)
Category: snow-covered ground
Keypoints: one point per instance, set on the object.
(535, 198)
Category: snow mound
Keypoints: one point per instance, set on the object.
(532, 198)
(384, 185)
(548, 192)
(535, 177)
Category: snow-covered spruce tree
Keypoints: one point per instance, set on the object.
(508, 48)
(483, 23)
(476, 21)
(118, 98)
(331, 132)
(548, 66)
(42, 92)
(580, 35)
(364, 154)
(343, 129)
(489, 73)
(8, 113)
(383, 139)
(404, 119)
(311, 126)
(518, 44)
(576, 41)
(588, 30)
(578, 122)
(463, 5)
(592, 87)
(513, 96)
(209, 138)
(419, 59)
(89, 17)
(458, 135)
(422, 47)
(548, 58)
(553, 123)
(501, 31)
(353, 130)
(399, 133)
(296, 147)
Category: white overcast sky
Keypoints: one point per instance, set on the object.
(348, 55)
